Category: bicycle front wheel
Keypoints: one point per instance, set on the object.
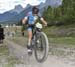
(41, 47)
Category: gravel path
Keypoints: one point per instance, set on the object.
(53, 60)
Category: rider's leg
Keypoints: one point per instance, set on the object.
(29, 37)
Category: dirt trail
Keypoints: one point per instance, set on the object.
(20, 52)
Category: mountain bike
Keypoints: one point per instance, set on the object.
(40, 43)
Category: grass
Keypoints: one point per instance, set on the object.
(19, 40)
(56, 40)
(60, 31)
(63, 40)
(3, 50)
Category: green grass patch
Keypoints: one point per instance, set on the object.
(20, 40)
(60, 31)
(63, 40)
(57, 40)
(3, 50)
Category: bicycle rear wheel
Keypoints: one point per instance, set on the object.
(41, 47)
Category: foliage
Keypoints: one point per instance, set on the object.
(64, 13)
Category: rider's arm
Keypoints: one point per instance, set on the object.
(24, 20)
(43, 21)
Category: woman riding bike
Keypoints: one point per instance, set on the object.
(31, 18)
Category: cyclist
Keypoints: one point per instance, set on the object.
(31, 18)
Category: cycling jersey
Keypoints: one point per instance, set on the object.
(32, 19)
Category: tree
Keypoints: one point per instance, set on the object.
(68, 11)
(64, 13)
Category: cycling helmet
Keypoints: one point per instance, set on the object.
(35, 10)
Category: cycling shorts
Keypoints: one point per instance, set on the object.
(30, 27)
